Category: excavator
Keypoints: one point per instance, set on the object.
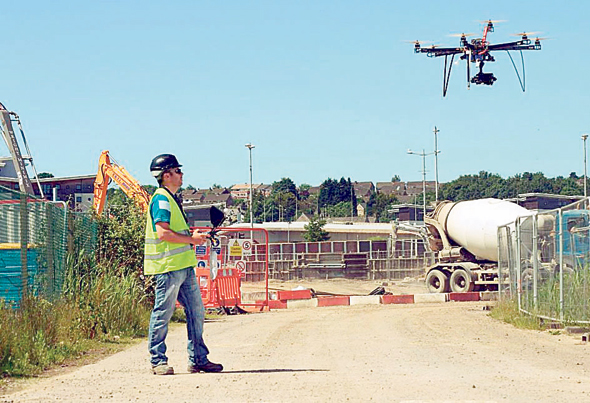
(109, 169)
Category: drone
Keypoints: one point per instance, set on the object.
(479, 51)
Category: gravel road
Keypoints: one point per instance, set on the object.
(394, 353)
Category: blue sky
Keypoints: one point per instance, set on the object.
(322, 88)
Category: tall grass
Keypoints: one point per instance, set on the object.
(576, 297)
(37, 334)
(110, 301)
(97, 303)
(506, 310)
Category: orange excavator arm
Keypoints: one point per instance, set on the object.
(109, 170)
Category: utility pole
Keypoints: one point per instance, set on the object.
(584, 138)
(436, 152)
(250, 146)
(423, 154)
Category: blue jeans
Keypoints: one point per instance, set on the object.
(178, 285)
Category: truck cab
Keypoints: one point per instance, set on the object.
(574, 226)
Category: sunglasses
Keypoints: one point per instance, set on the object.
(176, 171)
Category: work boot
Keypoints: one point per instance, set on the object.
(209, 367)
(163, 369)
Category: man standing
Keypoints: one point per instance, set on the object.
(170, 258)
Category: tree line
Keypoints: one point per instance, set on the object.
(337, 198)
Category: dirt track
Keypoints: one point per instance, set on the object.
(422, 352)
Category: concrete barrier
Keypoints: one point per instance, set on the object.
(426, 298)
(365, 300)
(397, 299)
(302, 303)
(464, 296)
(334, 301)
(488, 296)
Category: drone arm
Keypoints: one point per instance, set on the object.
(519, 45)
(436, 52)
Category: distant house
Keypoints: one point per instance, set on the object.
(364, 190)
(409, 212)
(224, 199)
(416, 187)
(391, 188)
(242, 190)
(314, 190)
(544, 201)
(360, 210)
(77, 191)
(221, 198)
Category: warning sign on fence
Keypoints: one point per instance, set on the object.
(246, 247)
(235, 249)
(241, 266)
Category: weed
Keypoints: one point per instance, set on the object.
(507, 311)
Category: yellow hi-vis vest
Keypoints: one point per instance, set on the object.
(161, 256)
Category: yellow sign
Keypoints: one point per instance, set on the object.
(235, 249)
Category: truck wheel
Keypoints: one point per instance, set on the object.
(437, 282)
(461, 281)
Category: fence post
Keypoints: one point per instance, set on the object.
(24, 243)
(50, 247)
(535, 263)
(561, 302)
(517, 264)
(70, 231)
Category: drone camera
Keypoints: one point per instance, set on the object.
(483, 78)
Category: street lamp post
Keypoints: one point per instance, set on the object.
(436, 152)
(584, 138)
(423, 154)
(250, 146)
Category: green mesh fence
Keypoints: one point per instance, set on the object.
(35, 238)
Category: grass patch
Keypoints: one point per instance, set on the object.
(101, 307)
(507, 311)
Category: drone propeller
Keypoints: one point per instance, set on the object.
(492, 21)
(461, 35)
(526, 33)
(542, 39)
(418, 42)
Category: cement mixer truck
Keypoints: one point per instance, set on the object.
(464, 235)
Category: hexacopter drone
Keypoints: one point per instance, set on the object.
(479, 51)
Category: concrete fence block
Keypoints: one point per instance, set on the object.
(488, 296)
(397, 299)
(427, 298)
(365, 299)
(334, 301)
(464, 296)
(302, 303)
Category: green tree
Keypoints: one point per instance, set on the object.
(45, 175)
(333, 192)
(303, 191)
(314, 231)
(341, 209)
(121, 233)
(379, 205)
(395, 178)
(285, 185)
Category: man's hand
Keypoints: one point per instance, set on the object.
(166, 234)
(198, 237)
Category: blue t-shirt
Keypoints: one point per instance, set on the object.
(160, 210)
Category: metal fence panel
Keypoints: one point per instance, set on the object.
(548, 258)
(35, 237)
